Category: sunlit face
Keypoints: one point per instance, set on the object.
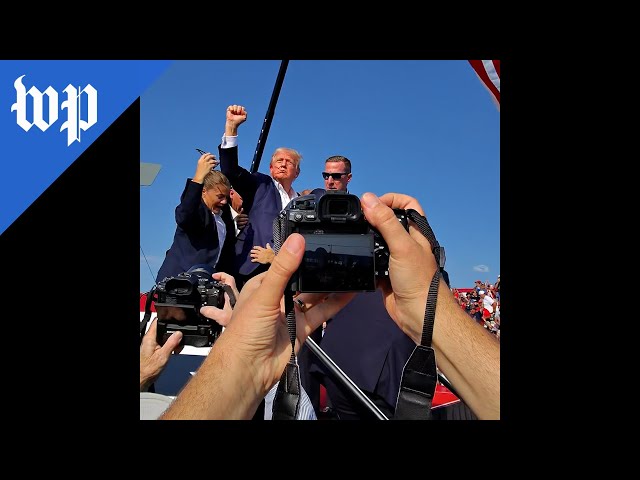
(340, 183)
(215, 198)
(283, 167)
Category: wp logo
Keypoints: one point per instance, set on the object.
(73, 105)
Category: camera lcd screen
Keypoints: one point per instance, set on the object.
(337, 263)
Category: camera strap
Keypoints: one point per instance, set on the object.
(287, 400)
(420, 375)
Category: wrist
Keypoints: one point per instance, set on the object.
(145, 382)
(230, 129)
(241, 388)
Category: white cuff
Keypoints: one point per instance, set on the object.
(229, 141)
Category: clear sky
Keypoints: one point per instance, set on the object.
(426, 128)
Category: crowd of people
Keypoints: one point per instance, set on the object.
(482, 303)
(225, 221)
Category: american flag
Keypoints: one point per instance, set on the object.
(488, 72)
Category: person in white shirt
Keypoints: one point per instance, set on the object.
(487, 304)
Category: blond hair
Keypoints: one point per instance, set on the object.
(215, 178)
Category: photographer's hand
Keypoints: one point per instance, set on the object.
(250, 357)
(153, 357)
(222, 316)
(466, 353)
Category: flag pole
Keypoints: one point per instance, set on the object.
(255, 164)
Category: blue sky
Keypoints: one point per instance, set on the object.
(426, 128)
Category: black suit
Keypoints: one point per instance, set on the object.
(196, 241)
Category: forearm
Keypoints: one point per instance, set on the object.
(222, 389)
(230, 129)
(468, 355)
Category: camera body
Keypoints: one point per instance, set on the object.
(343, 253)
(178, 305)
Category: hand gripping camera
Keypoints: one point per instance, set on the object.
(178, 305)
(343, 252)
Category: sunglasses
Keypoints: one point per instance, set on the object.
(335, 176)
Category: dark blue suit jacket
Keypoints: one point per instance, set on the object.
(196, 238)
(260, 200)
(368, 346)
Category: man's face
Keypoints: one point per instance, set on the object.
(215, 198)
(339, 183)
(283, 167)
(236, 200)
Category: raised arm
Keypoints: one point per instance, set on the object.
(188, 212)
(242, 180)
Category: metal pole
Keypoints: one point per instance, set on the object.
(255, 164)
(346, 381)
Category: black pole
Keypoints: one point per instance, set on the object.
(255, 164)
(346, 381)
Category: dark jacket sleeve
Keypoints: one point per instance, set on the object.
(188, 212)
(242, 181)
(226, 263)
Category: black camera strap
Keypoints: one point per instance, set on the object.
(420, 374)
(232, 296)
(287, 400)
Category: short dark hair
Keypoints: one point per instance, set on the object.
(340, 158)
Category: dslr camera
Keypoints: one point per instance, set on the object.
(343, 253)
(178, 305)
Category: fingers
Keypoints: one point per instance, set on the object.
(316, 315)
(221, 316)
(149, 339)
(284, 265)
(306, 301)
(171, 344)
(209, 158)
(381, 217)
(399, 200)
(236, 110)
(405, 202)
(227, 280)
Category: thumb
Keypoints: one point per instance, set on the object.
(241, 210)
(381, 217)
(268, 246)
(283, 266)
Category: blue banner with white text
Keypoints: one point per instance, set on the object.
(51, 111)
